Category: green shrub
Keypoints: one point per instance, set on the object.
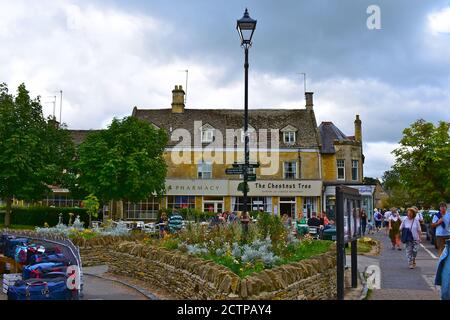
(38, 216)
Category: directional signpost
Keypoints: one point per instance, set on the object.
(250, 165)
(233, 171)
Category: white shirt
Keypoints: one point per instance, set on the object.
(419, 217)
(414, 225)
(387, 215)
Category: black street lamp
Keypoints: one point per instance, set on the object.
(246, 27)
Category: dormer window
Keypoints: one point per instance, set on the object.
(207, 133)
(289, 134)
(289, 137)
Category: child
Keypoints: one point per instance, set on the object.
(370, 227)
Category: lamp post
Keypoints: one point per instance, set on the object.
(246, 27)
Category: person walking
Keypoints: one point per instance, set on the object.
(363, 217)
(443, 272)
(377, 217)
(411, 232)
(387, 217)
(394, 229)
(162, 224)
(441, 221)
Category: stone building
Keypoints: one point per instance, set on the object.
(285, 142)
(342, 164)
(301, 163)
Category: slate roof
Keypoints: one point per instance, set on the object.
(221, 119)
(328, 134)
(78, 136)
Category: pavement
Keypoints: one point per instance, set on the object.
(398, 282)
(98, 287)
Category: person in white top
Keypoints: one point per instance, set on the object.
(387, 216)
(412, 245)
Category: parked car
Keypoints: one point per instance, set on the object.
(431, 232)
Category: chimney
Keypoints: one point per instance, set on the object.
(309, 100)
(178, 100)
(358, 131)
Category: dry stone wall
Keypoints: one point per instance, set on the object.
(194, 278)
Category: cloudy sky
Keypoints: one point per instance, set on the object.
(108, 56)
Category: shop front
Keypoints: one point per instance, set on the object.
(272, 196)
(277, 197)
(366, 192)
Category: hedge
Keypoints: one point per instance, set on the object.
(38, 216)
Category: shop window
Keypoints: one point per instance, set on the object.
(143, 210)
(61, 201)
(180, 202)
(309, 206)
(254, 204)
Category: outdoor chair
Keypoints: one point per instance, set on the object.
(314, 232)
(150, 228)
(140, 224)
(96, 224)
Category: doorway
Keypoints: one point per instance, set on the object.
(213, 204)
(287, 206)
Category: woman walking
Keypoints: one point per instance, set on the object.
(363, 217)
(411, 231)
(394, 229)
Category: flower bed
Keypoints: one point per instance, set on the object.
(77, 230)
(267, 244)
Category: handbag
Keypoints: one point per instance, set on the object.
(407, 235)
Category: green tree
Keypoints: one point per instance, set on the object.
(423, 162)
(92, 205)
(124, 162)
(398, 197)
(33, 151)
(369, 180)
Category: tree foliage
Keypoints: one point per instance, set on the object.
(124, 162)
(91, 204)
(34, 151)
(421, 173)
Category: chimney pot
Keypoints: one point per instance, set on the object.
(309, 100)
(178, 100)
(358, 129)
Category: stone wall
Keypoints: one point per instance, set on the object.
(193, 278)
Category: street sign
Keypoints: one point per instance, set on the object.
(234, 171)
(250, 165)
(251, 177)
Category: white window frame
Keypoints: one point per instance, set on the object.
(338, 167)
(289, 137)
(357, 169)
(201, 172)
(284, 170)
(207, 135)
